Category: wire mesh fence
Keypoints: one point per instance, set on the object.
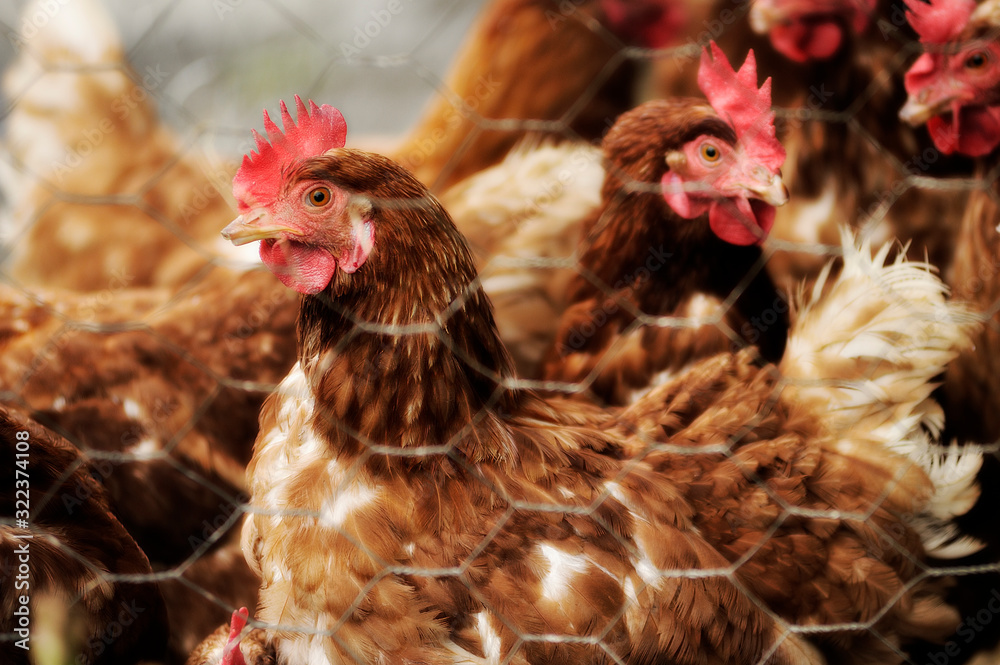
(131, 329)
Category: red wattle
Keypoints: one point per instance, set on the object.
(741, 221)
(972, 131)
(678, 199)
(305, 268)
(738, 221)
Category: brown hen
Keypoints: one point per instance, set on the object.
(103, 195)
(412, 504)
(168, 386)
(837, 68)
(954, 88)
(688, 198)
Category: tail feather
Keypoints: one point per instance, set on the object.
(865, 350)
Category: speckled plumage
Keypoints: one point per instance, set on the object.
(171, 382)
(411, 505)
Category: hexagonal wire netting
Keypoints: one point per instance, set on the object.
(207, 68)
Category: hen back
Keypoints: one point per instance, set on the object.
(75, 582)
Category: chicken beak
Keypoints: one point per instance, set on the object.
(771, 190)
(916, 112)
(927, 103)
(255, 225)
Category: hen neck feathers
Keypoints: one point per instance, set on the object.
(405, 353)
(639, 243)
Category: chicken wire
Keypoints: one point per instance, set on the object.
(214, 65)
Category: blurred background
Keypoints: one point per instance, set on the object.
(222, 61)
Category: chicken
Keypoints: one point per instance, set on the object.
(957, 94)
(836, 66)
(524, 219)
(954, 88)
(681, 174)
(76, 586)
(102, 193)
(411, 503)
(168, 384)
(152, 375)
(556, 67)
(540, 226)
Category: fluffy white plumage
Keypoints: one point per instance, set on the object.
(866, 344)
(523, 219)
(866, 349)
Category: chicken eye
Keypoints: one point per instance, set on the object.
(976, 60)
(319, 197)
(710, 153)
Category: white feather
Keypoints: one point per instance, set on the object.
(865, 350)
(523, 218)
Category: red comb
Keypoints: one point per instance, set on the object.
(939, 21)
(319, 128)
(231, 654)
(735, 97)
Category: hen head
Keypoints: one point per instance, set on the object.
(804, 30)
(722, 159)
(954, 87)
(317, 207)
(297, 217)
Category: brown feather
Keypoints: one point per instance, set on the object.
(524, 60)
(664, 529)
(71, 552)
(639, 258)
(849, 157)
(169, 384)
